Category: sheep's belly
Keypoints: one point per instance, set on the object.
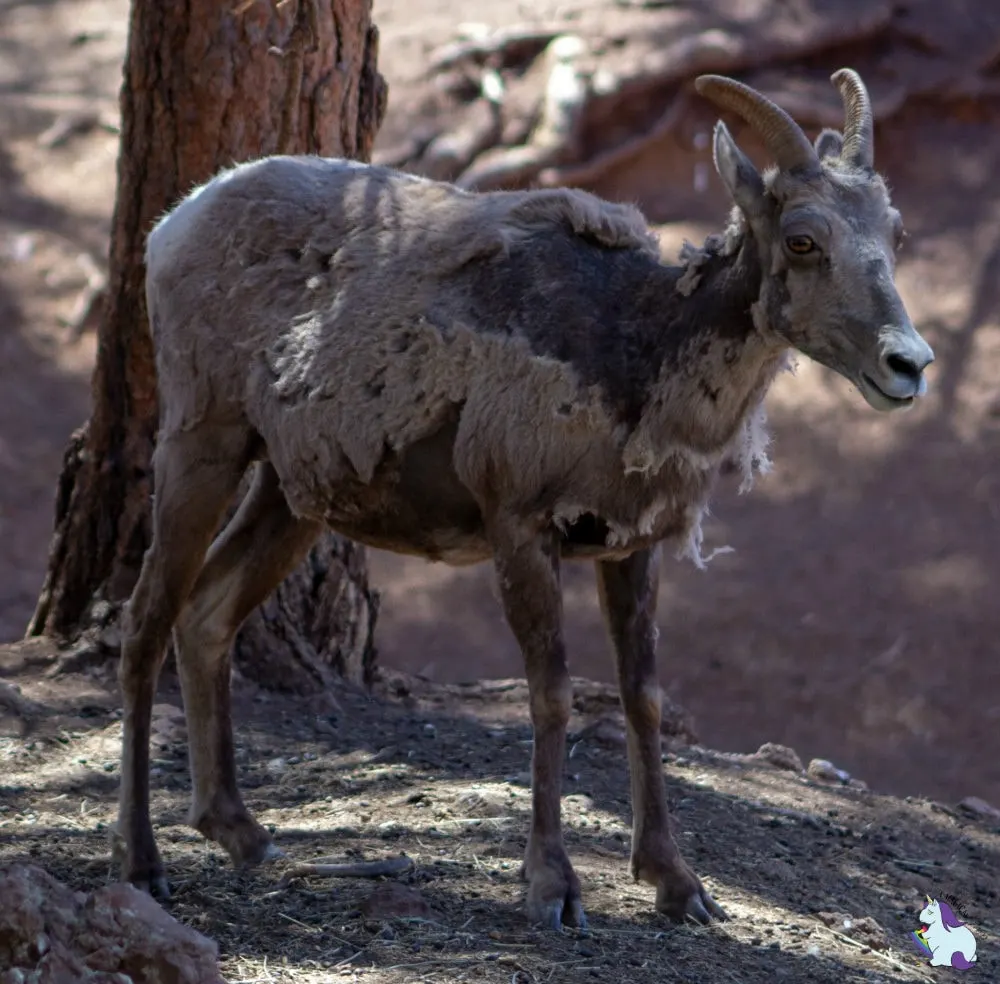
(452, 531)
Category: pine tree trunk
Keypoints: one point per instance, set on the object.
(205, 87)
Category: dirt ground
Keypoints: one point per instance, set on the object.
(823, 881)
(857, 619)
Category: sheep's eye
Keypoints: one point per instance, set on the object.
(800, 244)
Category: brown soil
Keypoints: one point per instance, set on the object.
(855, 621)
(439, 774)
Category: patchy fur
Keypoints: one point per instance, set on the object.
(582, 381)
(342, 388)
(693, 260)
(513, 376)
(691, 548)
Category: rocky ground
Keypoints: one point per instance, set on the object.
(824, 878)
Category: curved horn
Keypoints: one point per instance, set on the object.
(859, 128)
(781, 134)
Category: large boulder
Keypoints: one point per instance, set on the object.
(50, 934)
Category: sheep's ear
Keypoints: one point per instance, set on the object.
(829, 143)
(738, 174)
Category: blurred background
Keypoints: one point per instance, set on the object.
(858, 618)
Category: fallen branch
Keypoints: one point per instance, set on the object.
(554, 139)
(597, 167)
(357, 869)
(513, 44)
(75, 125)
(408, 149)
(87, 309)
(450, 153)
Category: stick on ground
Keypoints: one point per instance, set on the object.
(357, 869)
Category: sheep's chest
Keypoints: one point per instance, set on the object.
(641, 511)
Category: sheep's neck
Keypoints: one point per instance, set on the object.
(720, 360)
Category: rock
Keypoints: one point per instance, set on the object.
(865, 929)
(169, 712)
(520, 779)
(483, 803)
(608, 730)
(780, 756)
(391, 900)
(677, 724)
(168, 726)
(826, 771)
(50, 934)
(166, 732)
(980, 808)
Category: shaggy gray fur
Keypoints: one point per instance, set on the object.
(514, 376)
(330, 307)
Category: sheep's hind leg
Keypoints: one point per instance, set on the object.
(259, 547)
(628, 590)
(196, 474)
(528, 574)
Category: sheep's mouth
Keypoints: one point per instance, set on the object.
(879, 399)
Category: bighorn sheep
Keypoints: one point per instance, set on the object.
(513, 376)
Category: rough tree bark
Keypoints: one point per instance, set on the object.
(205, 87)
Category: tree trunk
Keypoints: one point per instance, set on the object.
(205, 87)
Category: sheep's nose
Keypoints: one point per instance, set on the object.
(908, 357)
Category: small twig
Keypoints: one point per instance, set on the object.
(479, 864)
(915, 866)
(438, 962)
(360, 869)
(899, 965)
(474, 820)
(347, 960)
(302, 925)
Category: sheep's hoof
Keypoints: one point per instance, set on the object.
(553, 899)
(702, 908)
(693, 902)
(153, 883)
(268, 853)
(246, 842)
(159, 887)
(556, 913)
(140, 867)
(251, 849)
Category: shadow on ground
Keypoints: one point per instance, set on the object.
(420, 770)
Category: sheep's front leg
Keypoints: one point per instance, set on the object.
(528, 573)
(628, 590)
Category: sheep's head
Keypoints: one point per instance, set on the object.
(827, 236)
